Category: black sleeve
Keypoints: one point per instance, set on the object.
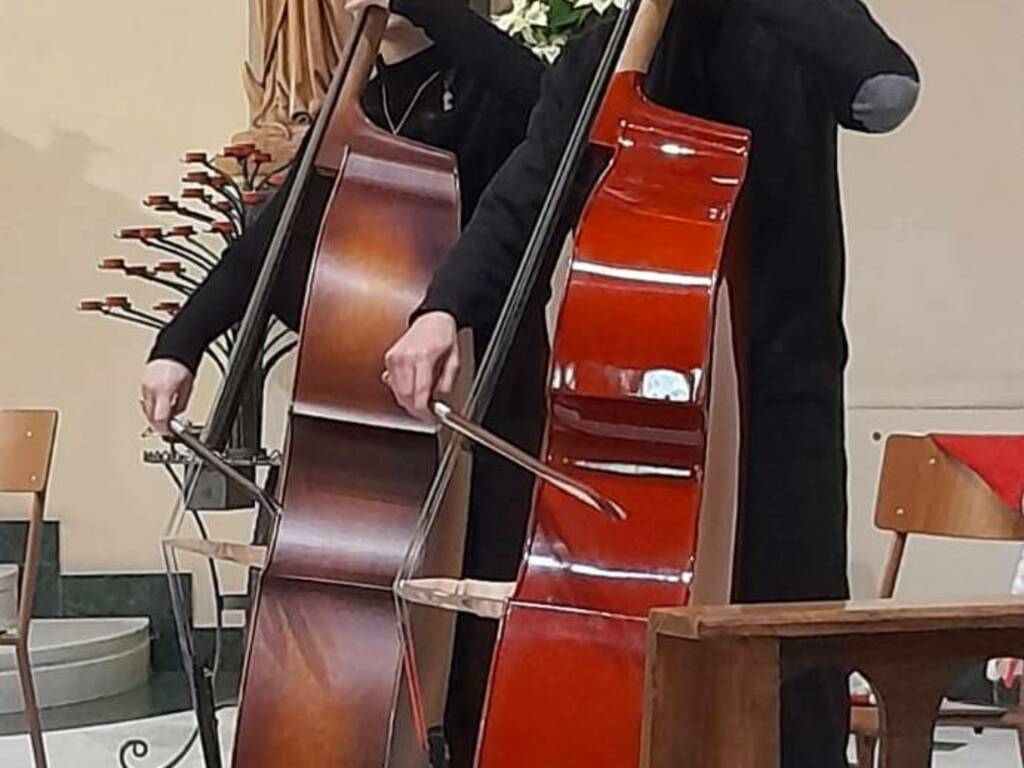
(477, 46)
(220, 300)
(475, 277)
(841, 45)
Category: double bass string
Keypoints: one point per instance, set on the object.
(254, 321)
(248, 346)
(540, 244)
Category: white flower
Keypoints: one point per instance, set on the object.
(548, 51)
(524, 15)
(552, 48)
(599, 5)
(537, 14)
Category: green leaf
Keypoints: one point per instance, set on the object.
(568, 20)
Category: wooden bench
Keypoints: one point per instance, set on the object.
(713, 677)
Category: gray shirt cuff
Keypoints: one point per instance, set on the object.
(884, 101)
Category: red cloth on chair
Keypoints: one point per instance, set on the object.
(997, 459)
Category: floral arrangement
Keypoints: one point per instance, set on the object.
(544, 26)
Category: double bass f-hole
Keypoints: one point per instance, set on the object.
(323, 680)
(406, 587)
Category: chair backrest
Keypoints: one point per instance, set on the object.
(923, 490)
(26, 449)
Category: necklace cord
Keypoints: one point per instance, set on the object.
(397, 129)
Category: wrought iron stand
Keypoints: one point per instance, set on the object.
(206, 490)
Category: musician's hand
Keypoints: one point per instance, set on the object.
(424, 363)
(166, 388)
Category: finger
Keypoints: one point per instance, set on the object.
(147, 401)
(449, 374)
(150, 398)
(161, 413)
(184, 394)
(400, 376)
(423, 389)
(403, 395)
(179, 398)
(395, 377)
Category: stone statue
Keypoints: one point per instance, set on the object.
(294, 46)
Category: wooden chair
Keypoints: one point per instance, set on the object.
(924, 489)
(714, 673)
(26, 451)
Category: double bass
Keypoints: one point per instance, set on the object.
(642, 412)
(332, 674)
(325, 675)
(644, 407)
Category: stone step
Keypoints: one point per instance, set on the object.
(78, 660)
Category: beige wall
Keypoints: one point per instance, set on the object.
(99, 99)
(936, 268)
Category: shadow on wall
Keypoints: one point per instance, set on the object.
(55, 226)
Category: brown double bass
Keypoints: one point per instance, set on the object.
(643, 407)
(324, 682)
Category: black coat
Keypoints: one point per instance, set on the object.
(477, 108)
(791, 71)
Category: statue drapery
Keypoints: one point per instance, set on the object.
(294, 47)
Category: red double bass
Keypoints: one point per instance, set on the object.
(643, 408)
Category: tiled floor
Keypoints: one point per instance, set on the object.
(99, 746)
(165, 693)
(960, 748)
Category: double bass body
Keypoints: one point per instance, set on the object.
(323, 683)
(643, 407)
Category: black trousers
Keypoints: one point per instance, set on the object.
(494, 547)
(499, 508)
(792, 547)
